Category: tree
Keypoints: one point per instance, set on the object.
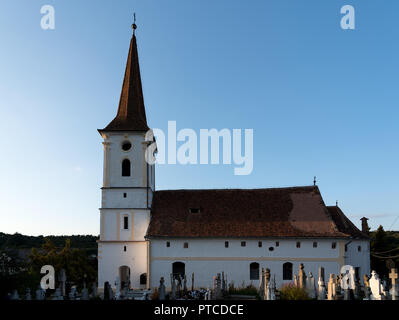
(382, 246)
(78, 266)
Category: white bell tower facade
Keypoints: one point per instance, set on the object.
(128, 187)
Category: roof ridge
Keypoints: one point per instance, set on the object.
(242, 189)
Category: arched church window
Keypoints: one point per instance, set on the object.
(143, 279)
(125, 222)
(254, 271)
(287, 271)
(178, 269)
(126, 168)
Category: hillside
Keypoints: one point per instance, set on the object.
(22, 243)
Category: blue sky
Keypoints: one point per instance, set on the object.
(321, 100)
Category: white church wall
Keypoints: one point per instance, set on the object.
(136, 157)
(357, 258)
(216, 248)
(125, 198)
(141, 222)
(114, 228)
(110, 225)
(207, 257)
(111, 256)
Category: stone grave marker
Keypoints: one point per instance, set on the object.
(85, 292)
(40, 293)
(162, 290)
(321, 291)
(62, 280)
(311, 286)
(331, 288)
(393, 275)
(302, 276)
(28, 296)
(15, 295)
(376, 287)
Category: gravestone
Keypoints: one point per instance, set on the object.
(348, 281)
(15, 295)
(338, 288)
(223, 283)
(296, 283)
(266, 283)
(267, 277)
(162, 290)
(179, 285)
(57, 294)
(40, 294)
(85, 292)
(271, 290)
(185, 284)
(262, 284)
(331, 288)
(393, 275)
(94, 290)
(207, 295)
(366, 287)
(62, 280)
(117, 288)
(173, 287)
(72, 294)
(106, 291)
(218, 290)
(28, 296)
(321, 291)
(376, 287)
(302, 276)
(311, 286)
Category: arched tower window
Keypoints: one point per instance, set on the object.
(254, 271)
(126, 168)
(143, 279)
(287, 271)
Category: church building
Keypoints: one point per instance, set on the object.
(147, 234)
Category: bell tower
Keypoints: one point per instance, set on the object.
(128, 186)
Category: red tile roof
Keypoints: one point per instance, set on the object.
(343, 223)
(245, 213)
(131, 112)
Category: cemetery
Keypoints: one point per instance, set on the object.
(344, 286)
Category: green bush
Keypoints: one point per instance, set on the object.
(291, 292)
(249, 290)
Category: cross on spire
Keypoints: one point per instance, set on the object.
(134, 26)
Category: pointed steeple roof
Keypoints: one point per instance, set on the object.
(131, 111)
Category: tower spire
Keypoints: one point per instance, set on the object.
(131, 111)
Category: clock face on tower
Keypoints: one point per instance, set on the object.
(126, 145)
